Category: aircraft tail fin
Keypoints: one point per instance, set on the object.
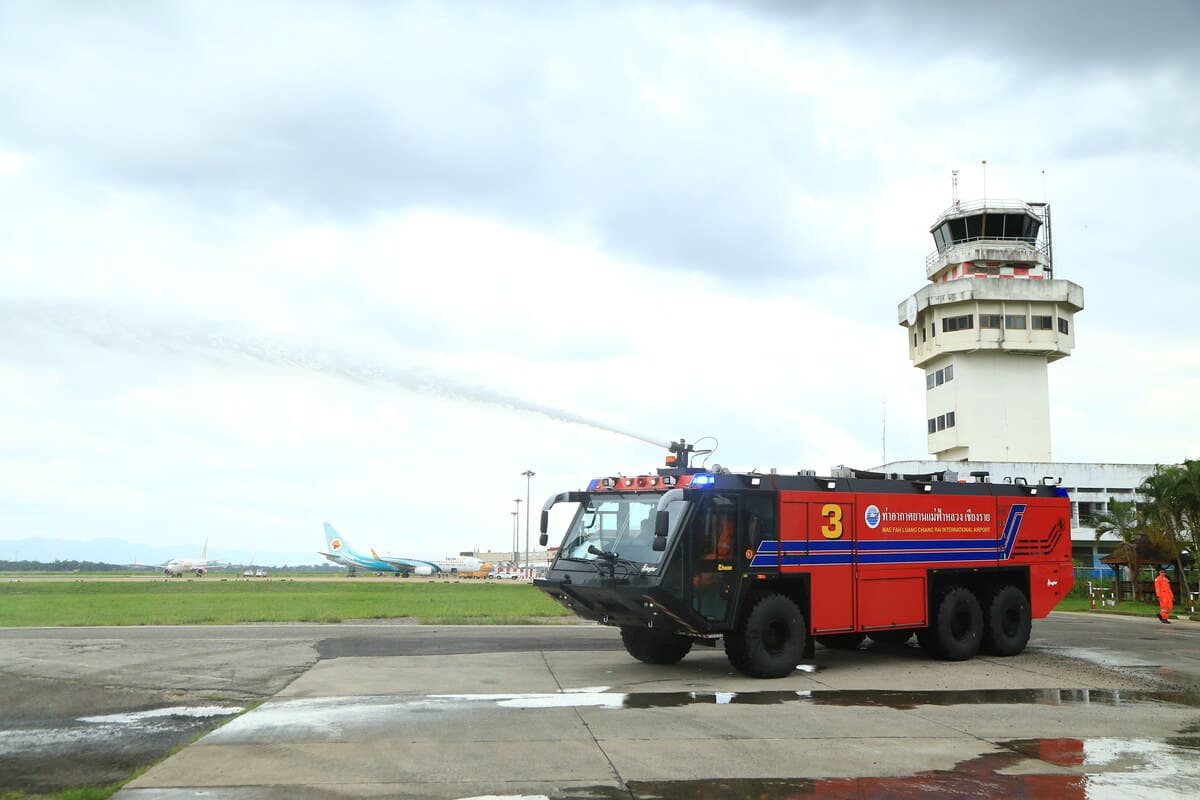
(204, 552)
(334, 541)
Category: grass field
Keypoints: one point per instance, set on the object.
(179, 602)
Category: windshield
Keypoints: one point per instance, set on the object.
(621, 524)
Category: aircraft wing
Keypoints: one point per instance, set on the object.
(407, 563)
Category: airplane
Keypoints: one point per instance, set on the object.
(177, 566)
(340, 552)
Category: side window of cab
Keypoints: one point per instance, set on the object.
(759, 519)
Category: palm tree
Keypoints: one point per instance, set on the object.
(1121, 519)
(1173, 510)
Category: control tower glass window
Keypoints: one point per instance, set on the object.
(1014, 322)
(965, 322)
(974, 226)
(1043, 323)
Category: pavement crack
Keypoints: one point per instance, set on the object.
(621, 784)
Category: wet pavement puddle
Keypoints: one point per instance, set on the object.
(1070, 769)
(107, 726)
(902, 700)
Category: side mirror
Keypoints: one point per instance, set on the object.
(662, 523)
(543, 539)
(545, 523)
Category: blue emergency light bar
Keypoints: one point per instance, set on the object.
(703, 479)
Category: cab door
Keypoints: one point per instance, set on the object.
(711, 548)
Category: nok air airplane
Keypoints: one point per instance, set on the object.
(341, 552)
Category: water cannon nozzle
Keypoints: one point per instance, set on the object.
(679, 454)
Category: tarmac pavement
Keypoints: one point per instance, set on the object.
(1097, 706)
(553, 723)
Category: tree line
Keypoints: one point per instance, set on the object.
(1167, 515)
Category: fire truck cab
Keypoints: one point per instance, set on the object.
(771, 563)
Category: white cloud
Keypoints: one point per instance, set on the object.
(493, 226)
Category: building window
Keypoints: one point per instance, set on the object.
(1043, 323)
(928, 381)
(949, 419)
(941, 377)
(932, 330)
(941, 422)
(1062, 325)
(922, 334)
(1014, 322)
(990, 320)
(949, 372)
(933, 426)
(965, 322)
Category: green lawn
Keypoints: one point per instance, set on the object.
(183, 602)
(1126, 608)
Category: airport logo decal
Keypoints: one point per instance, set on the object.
(335, 544)
(872, 516)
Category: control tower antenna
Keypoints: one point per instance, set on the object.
(984, 163)
(954, 189)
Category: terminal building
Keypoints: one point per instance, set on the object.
(984, 330)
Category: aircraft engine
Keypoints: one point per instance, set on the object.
(423, 571)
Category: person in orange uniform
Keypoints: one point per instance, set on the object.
(1166, 600)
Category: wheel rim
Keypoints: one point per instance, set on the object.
(1010, 623)
(960, 623)
(775, 636)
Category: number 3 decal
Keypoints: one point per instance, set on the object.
(833, 516)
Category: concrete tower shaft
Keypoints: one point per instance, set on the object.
(985, 328)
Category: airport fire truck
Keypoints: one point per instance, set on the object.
(771, 563)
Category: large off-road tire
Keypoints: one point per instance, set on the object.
(652, 647)
(1007, 622)
(956, 630)
(893, 637)
(841, 641)
(770, 641)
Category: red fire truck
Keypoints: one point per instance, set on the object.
(771, 563)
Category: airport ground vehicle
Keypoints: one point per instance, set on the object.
(771, 563)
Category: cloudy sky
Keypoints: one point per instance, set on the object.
(268, 264)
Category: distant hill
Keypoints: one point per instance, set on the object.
(119, 551)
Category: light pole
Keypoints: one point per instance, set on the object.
(528, 476)
(515, 523)
(517, 534)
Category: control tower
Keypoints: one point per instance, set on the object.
(984, 329)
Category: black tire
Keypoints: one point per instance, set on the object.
(841, 641)
(651, 647)
(892, 637)
(957, 628)
(1007, 622)
(770, 641)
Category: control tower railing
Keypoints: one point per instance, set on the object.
(937, 258)
(989, 205)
